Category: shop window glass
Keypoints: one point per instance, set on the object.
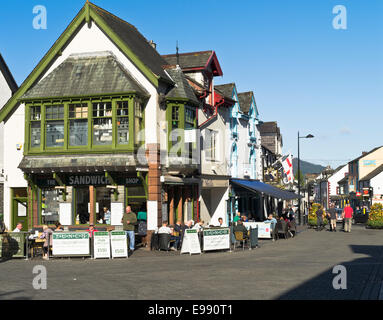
(54, 126)
(78, 124)
(49, 205)
(102, 123)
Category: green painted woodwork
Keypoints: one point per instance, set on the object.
(114, 147)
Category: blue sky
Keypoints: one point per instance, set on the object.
(306, 75)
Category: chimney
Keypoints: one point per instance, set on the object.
(153, 44)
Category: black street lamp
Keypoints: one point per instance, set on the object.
(299, 179)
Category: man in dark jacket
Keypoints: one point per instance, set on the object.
(241, 228)
(332, 216)
(319, 214)
(129, 220)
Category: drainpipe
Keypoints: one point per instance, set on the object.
(214, 114)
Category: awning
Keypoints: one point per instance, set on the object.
(168, 179)
(259, 186)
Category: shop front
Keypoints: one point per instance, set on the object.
(180, 199)
(78, 196)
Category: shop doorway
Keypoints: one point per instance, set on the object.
(103, 200)
(19, 207)
(82, 204)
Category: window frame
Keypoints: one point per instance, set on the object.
(90, 147)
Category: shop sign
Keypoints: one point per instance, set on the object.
(369, 163)
(216, 239)
(101, 244)
(119, 244)
(88, 180)
(190, 242)
(70, 244)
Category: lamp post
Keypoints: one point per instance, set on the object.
(299, 178)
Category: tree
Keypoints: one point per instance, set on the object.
(301, 178)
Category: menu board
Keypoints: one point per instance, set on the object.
(70, 244)
(101, 244)
(264, 228)
(190, 242)
(119, 244)
(117, 211)
(216, 239)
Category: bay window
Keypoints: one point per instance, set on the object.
(54, 123)
(113, 123)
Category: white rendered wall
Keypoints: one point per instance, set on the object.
(5, 94)
(93, 40)
(333, 180)
(14, 177)
(377, 184)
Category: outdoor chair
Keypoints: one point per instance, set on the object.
(154, 245)
(239, 238)
(282, 228)
(164, 241)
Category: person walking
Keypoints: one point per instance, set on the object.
(319, 214)
(129, 220)
(332, 216)
(347, 216)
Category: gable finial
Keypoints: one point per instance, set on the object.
(178, 56)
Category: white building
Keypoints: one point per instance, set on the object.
(7, 87)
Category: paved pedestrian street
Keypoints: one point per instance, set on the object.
(297, 268)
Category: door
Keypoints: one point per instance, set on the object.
(20, 213)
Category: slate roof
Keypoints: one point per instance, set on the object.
(135, 41)
(372, 174)
(190, 59)
(182, 89)
(226, 89)
(268, 127)
(86, 74)
(8, 75)
(245, 99)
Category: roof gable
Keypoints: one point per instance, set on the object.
(195, 61)
(115, 29)
(7, 75)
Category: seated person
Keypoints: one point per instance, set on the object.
(188, 225)
(272, 221)
(91, 230)
(237, 217)
(47, 234)
(244, 219)
(220, 223)
(165, 228)
(240, 227)
(59, 227)
(198, 225)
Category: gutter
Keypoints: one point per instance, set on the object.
(214, 114)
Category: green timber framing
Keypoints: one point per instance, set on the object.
(114, 147)
(85, 15)
(181, 104)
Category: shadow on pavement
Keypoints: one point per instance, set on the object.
(6, 296)
(364, 279)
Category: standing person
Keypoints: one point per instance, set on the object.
(142, 225)
(107, 215)
(347, 216)
(332, 216)
(129, 220)
(319, 214)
